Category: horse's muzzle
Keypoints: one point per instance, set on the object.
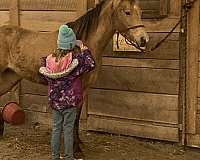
(143, 42)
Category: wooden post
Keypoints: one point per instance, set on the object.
(182, 72)
(14, 13)
(192, 68)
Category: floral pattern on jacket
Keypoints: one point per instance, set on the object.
(66, 92)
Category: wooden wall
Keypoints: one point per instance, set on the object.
(137, 94)
(41, 15)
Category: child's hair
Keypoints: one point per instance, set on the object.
(59, 53)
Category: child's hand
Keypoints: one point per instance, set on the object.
(84, 48)
(81, 45)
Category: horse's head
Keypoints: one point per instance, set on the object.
(127, 20)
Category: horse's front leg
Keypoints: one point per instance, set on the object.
(8, 79)
(77, 150)
(1, 125)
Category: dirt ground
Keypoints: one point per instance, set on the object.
(33, 143)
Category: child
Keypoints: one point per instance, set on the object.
(62, 71)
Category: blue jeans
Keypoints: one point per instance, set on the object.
(63, 119)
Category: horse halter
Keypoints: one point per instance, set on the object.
(186, 7)
(132, 27)
(133, 43)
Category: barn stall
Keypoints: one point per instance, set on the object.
(136, 94)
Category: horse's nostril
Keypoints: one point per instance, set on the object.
(143, 42)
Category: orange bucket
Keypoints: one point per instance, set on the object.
(13, 114)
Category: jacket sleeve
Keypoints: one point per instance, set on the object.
(43, 79)
(86, 64)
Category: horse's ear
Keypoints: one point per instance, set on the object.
(115, 3)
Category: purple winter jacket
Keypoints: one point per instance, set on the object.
(66, 92)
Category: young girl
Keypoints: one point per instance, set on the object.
(62, 71)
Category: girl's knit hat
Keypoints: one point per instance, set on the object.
(66, 38)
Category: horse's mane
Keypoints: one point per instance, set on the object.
(83, 25)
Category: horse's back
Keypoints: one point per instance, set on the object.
(27, 47)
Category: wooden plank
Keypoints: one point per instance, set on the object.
(198, 123)
(192, 68)
(45, 20)
(153, 8)
(34, 103)
(164, 7)
(82, 7)
(50, 18)
(141, 63)
(161, 25)
(4, 16)
(28, 87)
(38, 117)
(134, 105)
(143, 130)
(168, 50)
(33, 118)
(58, 5)
(175, 7)
(34, 98)
(193, 140)
(14, 13)
(198, 106)
(138, 79)
(4, 5)
(150, 5)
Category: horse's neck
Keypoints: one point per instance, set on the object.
(104, 32)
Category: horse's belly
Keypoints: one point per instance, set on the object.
(25, 67)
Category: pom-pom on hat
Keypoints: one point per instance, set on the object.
(66, 38)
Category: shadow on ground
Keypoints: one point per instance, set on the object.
(33, 143)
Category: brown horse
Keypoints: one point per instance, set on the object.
(21, 49)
